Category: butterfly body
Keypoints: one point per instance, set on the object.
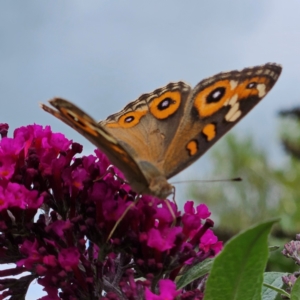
(161, 133)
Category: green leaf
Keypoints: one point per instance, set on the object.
(273, 248)
(194, 273)
(295, 294)
(237, 272)
(272, 285)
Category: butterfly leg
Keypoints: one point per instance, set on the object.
(171, 210)
(173, 193)
(136, 200)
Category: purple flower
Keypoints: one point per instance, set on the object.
(69, 258)
(167, 291)
(209, 241)
(192, 217)
(162, 240)
(77, 227)
(30, 250)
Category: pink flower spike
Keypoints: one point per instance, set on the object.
(7, 169)
(58, 227)
(11, 147)
(33, 201)
(203, 211)
(103, 160)
(40, 270)
(69, 258)
(59, 141)
(9, 151)
(167, 289)
(50, 260)
(191, 219)
(65, 248)
(78, 177)
(162, 240)
(17, 195)
(207, 240)
(30, 249)
(4, 203)
(163, 213)
(217, 247)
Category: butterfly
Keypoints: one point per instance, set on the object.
(161, 133)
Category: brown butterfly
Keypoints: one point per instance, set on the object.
(161, 133)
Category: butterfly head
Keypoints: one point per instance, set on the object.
(160, 187)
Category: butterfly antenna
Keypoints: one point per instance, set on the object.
(210, 180)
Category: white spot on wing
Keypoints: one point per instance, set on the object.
(233, 84)
(233, 99)
(261, 90)
(235, 116)
(233, 110)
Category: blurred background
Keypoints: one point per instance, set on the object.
(103, 54)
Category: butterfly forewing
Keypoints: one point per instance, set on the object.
(96, 134)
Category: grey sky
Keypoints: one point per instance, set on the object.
(103, 54)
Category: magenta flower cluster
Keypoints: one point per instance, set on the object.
(57, 223)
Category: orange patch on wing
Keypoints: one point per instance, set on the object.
(163, 113)
(207, 109)
(80, 121)
(128, 120)
(210, 131)
(243, 92)
(192, 147)
(125, 156)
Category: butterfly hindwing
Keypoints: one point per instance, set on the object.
(147, 126)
